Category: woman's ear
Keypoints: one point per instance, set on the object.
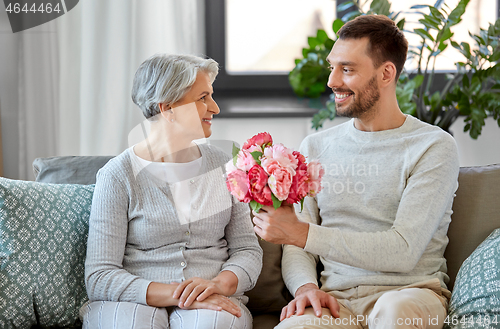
(166, 112)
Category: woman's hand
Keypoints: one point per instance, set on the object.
(215, 302)
(197, 289)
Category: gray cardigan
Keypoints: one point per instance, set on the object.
(135, 236)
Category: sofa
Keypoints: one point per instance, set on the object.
(44, 225)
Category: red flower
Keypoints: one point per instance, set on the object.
(257, 181)
(300, 184)
(299, 156)
(261, 139)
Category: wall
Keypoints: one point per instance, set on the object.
(290, 131)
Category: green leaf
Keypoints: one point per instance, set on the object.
(312, 42)
(466, 49)
(466, 127)
(380, 7)
(436, 13)
(350, 16)
(430, 24)
(464, 105)
(236, 150)
(465, 81)
(321, 36)
(255, 205)
(456, 14)
(401, 24)
(417, 81)
(446, 35)
(442, 46)
(276, 202)
(329, 44)
(439, 3)
(256, 155)
(419, 6)
(435, 100)
(337, 24)
(344, 6)
(475, 84)
(424, 34)
(301, 205)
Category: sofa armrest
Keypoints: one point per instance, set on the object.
(476, 213)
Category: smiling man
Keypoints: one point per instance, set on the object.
(379, 224)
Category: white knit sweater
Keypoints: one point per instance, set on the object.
(384, 211)
(136, 237)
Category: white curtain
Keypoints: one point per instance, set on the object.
(38, 81)
(78, 102)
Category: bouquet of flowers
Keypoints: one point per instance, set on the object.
(266, 174)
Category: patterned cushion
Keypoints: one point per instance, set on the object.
(475, 302)
(43, 236)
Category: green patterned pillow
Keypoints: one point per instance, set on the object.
(43, 238)
(475, 302)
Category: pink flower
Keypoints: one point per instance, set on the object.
(315, 171)
(230, 166)
(300, 185)
(257, 181)
(237, 184)
(245, 160)
(261, 139)
(284, 156)
(255, 148)
(280, 179)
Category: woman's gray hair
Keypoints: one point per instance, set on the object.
(166, 79)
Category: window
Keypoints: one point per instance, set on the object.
(255, 42)
(271, 43)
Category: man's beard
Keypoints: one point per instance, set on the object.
(363, 102)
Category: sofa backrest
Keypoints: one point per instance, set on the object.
(476, 213)
(68, 169)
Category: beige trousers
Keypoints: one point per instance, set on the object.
(420, 305)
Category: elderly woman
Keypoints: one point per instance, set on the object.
(168, 246)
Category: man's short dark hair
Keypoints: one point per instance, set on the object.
(386, 41)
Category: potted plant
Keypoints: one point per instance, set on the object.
(471, 91)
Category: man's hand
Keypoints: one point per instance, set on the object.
(280, 226)
(310, 295)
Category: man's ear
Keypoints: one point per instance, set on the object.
(389, 73)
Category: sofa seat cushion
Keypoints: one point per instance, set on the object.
(43, 237)
(475, 302)
(269, 295)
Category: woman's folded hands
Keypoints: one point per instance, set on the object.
(197, 293)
